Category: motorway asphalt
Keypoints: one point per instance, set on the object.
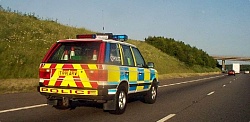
(208, 98)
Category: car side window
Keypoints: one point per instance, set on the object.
(114, 57)
(138, 57)
(127, 56)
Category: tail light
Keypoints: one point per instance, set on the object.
(44, 73)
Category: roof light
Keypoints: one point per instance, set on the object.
(120, 37)
(86, 36)
(103, 36)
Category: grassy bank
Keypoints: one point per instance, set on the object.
(24, 40)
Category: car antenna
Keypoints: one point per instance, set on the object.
(102, 22)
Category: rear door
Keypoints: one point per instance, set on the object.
(128, 61)
(74, 64)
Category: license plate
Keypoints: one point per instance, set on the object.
(68, 73)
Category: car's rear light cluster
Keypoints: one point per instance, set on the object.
(44, 73)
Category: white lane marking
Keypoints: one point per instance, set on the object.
(189, 81)
(22, 108)
(172, 115)
(166, 118)
(224, 86)
(211, 93)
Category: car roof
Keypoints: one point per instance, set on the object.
(85, 40)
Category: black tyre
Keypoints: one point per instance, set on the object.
(151, 95)
(120, 101)
(60, 106)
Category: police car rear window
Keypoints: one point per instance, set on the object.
(76, 52)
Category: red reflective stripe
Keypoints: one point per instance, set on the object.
(58, 83)
(46, 82)
(52, 72)
(101, 53)
(53, 65)
(69, 66)
(94, 85)
(85, 67)
(79, 83)
(103, 75)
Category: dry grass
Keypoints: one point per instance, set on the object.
(18, 85)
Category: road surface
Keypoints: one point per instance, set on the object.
(208, 98)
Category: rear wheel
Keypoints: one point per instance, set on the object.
(120, 101)
(61, 105)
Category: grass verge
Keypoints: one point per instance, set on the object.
(18, 85)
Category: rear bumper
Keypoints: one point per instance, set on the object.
(55, 93)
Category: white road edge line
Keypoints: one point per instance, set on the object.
(189, 81)
(166, 118)
(210, 93)
(22, 108)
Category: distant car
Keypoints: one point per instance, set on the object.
(231, 72)
(246, 72)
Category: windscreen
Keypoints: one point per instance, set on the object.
(76, 52)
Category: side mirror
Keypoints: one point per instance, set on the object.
(150, 65)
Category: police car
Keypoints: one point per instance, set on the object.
(101, 68)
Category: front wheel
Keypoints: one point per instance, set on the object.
(151, 95)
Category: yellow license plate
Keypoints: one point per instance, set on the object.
(68, 73)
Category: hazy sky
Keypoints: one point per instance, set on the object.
(219, 27)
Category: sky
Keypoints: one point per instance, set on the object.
(218, 27)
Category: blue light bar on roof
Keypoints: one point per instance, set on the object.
(120, 37)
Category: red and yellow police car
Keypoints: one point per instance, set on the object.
(101, 68)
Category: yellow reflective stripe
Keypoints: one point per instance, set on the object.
(77, 66)
(121, 50)
(82, 75)
(47, 66)
(59, 66)
(113, 73)
(133, 74)
(139, 88)
(68, 80)
(146, 74)
(138, 82)
(55, 76)
(92, 66)
(133, 56)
